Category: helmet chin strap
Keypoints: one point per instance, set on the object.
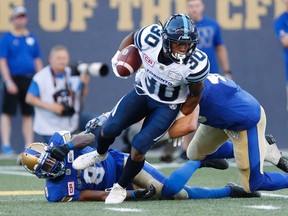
(179, 57)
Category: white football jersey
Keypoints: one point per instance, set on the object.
(167, 84)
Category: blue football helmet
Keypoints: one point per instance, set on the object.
(179, 28)
(38, 162)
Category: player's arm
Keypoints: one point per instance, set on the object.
(96, 195)
(185, 125)
(78, 142)
(193, 98)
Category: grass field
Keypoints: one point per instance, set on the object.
(22, 194)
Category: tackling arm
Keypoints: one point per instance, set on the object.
(79, 141)
(193, 98)
(185, 125)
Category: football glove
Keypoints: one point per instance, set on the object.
(98, 121)
(177, 141)
(59, 152)
(141, 194)
(114, 62)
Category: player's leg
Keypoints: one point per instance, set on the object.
(249, 150)
(130, 109)
(203, 144)
(156, 123)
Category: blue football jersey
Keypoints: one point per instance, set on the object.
(69, 186)
(225, 105)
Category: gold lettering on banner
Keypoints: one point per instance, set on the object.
(53, 14)
(225, 17)
(180, 6)
(81, 9)
(125, 9)
(152, 13)
(279, 8)
(6, 7)
(255, 9)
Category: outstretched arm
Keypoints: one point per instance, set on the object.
(185, 125)
(78, 141)
(96, 195)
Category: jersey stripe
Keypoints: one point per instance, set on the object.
(137, 38)
(200, 76)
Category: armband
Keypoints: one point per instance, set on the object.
(71, 145)
(8, 82)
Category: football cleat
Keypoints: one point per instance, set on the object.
(238, 192)
(88, 159)
(273, 154)
(283, 164)
(221, 164)
(116, 195)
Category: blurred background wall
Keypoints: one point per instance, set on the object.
(93, 29)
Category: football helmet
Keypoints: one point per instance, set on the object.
(38, 162)
(179, 28)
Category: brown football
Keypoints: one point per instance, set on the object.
(129, 61)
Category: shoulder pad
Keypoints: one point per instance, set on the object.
(199, 66)
(141, 37)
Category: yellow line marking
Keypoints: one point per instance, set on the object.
(20, 193)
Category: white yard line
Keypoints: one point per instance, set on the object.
(124, 209)
(263, 207)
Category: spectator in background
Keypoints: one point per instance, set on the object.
(281, 31)
(210, 39)
(56, 95)
(20, 58)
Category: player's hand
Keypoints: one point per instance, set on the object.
(98, 121)
(59, 152)
(145, 193)
(114, 62)
(177, 141)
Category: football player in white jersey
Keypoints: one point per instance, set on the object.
(174, 74)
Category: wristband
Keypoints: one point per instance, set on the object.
(228, 72)
(8, 82)
(132, 195)
(71, 145)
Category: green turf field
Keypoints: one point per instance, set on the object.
(15, 185)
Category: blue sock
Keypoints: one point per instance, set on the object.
(207, 193)
(225, 151)
(178, 178)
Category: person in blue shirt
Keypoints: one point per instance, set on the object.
(63, 183)
(281, 31)
(20, 58)
(226, 111)
(210, 38)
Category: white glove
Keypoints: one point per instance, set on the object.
(114, 62)
(177, 141)
(98, 121)
(139, 74)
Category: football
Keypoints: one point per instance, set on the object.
(129, 61)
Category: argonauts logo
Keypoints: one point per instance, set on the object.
(173, 106)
